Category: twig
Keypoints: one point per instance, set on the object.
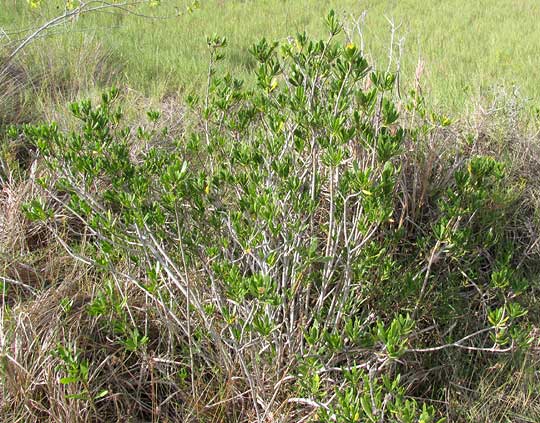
(83, 8)
(458, 345)
(18, 283)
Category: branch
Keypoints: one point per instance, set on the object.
(83, 8)
(458, 344)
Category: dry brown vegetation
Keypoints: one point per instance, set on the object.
(189, 369)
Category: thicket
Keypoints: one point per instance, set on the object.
(315, 248)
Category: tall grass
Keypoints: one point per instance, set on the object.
(315, 243)
(307, 246)
(466, 48)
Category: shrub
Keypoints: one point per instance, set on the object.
(299, 252)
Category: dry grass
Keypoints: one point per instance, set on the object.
(14, 85)
(145, 386)
(48, 290)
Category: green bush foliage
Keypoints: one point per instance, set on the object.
(298, 241)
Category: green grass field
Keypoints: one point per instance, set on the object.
(351, 235)
(469, 50)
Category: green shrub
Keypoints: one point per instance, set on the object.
(291, 242)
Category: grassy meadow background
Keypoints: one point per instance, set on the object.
(475, 62)
(464, 51)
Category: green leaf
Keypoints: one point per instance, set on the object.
(101, 394)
